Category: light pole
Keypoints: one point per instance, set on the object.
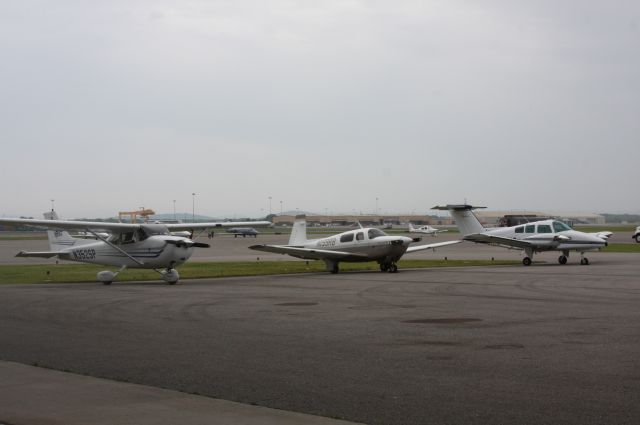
(280, 207)
(269, 205)
(193, 207)
(52, 208)
(174, 210)
(376, 205)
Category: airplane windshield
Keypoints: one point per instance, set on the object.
(559, 226)
(376, 233)
(152, 230)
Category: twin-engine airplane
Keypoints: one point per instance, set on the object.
(161, 247)
(360, 245)
(538, 236)
(427, 230)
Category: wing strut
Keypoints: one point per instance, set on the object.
(115, 247)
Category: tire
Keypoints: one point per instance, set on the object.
(562, 259)
(526, 261)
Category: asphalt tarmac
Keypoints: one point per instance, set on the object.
(545, 344)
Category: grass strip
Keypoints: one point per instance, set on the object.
(622, 247)
(71, 273)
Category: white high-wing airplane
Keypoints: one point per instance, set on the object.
(427, 230)
(134, 245)
(538, 236)
(363, 244)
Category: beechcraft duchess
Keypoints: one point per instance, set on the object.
(161, 247)
(360, 245)
(539, 236)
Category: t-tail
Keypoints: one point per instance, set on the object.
(299, 231)
(58, 239)
(464, 217)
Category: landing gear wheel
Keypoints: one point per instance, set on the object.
(393, 268)
(562, 259)
(335, 269)
(106, 283)
(526, 261)
(584, 261)
(638, 239)
(384, 267)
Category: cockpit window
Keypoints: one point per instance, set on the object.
(544, 228)
(360, 236)
(376, 233)
(347, 237)
(559, 226)
(147, 230)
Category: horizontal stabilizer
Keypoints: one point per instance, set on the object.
(456, 207)
(41, 254)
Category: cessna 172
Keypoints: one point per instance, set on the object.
(134, 245)
(363, 244)
(538, 236)
(427, 230)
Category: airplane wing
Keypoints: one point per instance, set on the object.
(309, 254)
(123, 227)
(70, 224)
(191, 226)
(430, 246)
(498, 240)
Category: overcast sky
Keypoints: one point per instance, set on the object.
(323, 105)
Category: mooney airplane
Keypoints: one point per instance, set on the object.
(363, 244)
(427, 230)
(538, 236)
(160, 247)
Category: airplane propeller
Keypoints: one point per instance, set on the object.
(188, 244)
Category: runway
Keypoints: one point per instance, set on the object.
(544, 344)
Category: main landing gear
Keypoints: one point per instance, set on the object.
(389, 267)
(526, 261)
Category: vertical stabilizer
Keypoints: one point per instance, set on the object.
(299, 231)
(58, 239)
(464, 217)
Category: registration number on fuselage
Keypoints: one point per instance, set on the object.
(326, 243)
(84, 254)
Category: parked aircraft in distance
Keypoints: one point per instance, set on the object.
(362, 244)
(243, 231)
(427, 230)
(538, 236)
(134, 245)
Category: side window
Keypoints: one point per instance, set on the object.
(360, 236)
(346, 238)
(544, 228)
(520, 229)
(530, 228)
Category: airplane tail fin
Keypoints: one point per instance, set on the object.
(299, 231)
(58, 239)
(411, 228)
(465, 219)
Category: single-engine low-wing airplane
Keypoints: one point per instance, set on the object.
(538, 236)
(134, 245)
(363, 244)
(427, 230)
